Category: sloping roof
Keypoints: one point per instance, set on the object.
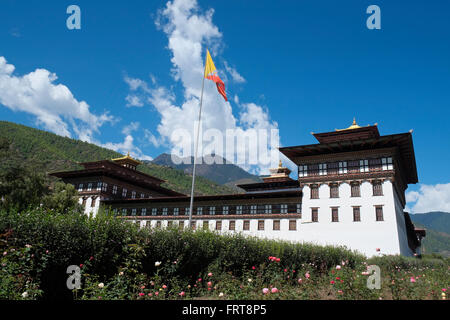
(402, 140)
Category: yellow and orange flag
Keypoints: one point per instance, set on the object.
(211, 74)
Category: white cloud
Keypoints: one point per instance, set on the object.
(128, 143)
(190, 30)
(53, 105)
(234, 74)
(133, 101)
(429, 198)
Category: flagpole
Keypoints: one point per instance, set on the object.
(196, 148)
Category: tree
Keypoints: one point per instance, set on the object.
(62, 199)
(21, 188)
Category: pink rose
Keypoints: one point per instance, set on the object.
(412, 279)
(141, 294)
(307, 275)
(265, 290)
(164, 286)
(209, 284)
(156, 293)
(182, 294)
(210, 274)
(274, 290)
(300, 280)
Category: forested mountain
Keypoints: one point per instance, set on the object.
(46, 152)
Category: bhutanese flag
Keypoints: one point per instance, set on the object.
(211, 74)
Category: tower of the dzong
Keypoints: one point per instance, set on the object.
(353, 186)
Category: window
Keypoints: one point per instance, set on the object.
(284, 208)
(238, 209)
(364, 165)
(93, 200)
(84, 202)
(299, 208)
(169, 224)
(99, 186)
(133, 195)
(232, 225)
(176, 211)
(292, 225)
(375, 164)
(379, 213)
(164, 211)
(186, 211)
(342, 167)
(80, 187)
(212, 210)
(334, 215)
(158, 224)
(261, 225)
(219, 225)
(356, 214)
(193, 225)
(268, 209)
(302, 171)
(154, 211)
(387, 163)
(142, 195)
(253, 209)
(89, 188)
(377, 188)
(115, 211)
(334, 190)
(246, 225)
(114, 191)
(199, 211)
(124, 212)
(124, 192)
(148, 224)
(314, 192)
(138, 223)
(104, 187)
(181, 225)
(133, 211)
(322, 169)
(314, 214)
(225, 210)
(355, 190)
(143, 211)
(206, 225)
(276, 225)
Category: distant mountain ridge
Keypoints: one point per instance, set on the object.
(439, 221)
(221, 171)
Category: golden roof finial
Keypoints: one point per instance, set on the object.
(280, 165)
(353, 126)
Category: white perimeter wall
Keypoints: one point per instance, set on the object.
(364, 236)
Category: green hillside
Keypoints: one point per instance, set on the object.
(46, 152)
(437, 225)
(439, 221)
(435, 241)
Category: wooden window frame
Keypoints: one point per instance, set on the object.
(292, 225)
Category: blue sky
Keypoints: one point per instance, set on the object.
(298, 66)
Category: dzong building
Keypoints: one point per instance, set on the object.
(350, 192)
